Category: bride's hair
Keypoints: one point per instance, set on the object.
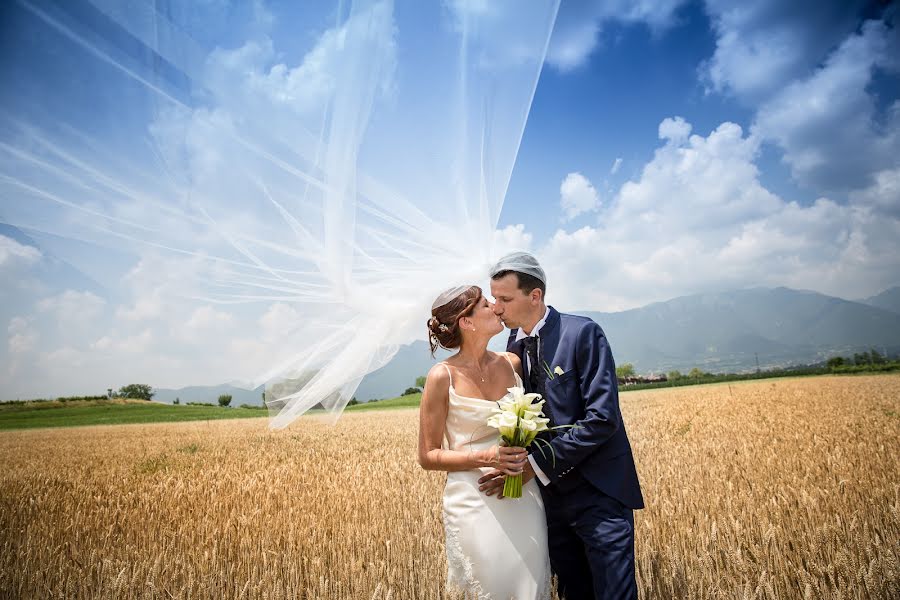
(443, 326)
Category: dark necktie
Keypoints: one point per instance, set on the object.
(536, 374)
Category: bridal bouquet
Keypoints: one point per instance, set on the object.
(519, 418)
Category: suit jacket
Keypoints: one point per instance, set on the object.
(586, 394)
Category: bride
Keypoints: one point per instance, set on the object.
(496, 548)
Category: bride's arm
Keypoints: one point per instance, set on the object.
(432, 421)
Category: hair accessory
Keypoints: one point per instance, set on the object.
(449, 295)
(520, 262)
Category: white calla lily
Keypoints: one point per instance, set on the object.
(518, 417)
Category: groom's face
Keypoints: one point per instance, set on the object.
(512, 305)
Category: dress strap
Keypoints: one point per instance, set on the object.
(446, 366)
(515, 373)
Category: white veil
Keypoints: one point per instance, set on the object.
(349, 160)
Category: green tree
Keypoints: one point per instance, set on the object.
(177, 401)
(835, 361)
(695, 373)
(876, 357)
(353, 401)
(625, 370)
(224, 399)
(141, 391)
(674, 375)
(862, 358)
(411, 391)
(420, 382)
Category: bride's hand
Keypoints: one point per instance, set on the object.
(510, 460)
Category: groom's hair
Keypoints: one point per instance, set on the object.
(527, 283)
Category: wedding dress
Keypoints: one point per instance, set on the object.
(496, 549)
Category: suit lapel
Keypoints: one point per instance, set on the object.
(549, 335)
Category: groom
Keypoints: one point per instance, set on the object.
(589, 483)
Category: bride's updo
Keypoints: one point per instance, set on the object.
(443, 326)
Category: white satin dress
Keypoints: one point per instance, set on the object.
(496, 549)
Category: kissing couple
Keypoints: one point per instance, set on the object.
(575, 516)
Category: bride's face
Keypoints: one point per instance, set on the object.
(483, 318)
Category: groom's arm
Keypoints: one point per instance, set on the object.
(597, 385)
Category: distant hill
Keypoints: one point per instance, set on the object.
(888, 300)
(211, 393)
(388, 382)
(729, 330)
(724, 332)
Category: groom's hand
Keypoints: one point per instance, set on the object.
(492, 482)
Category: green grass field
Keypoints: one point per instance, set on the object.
(410, 401)
(72, 414)
(32, 415)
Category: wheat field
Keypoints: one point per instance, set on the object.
(770, 489)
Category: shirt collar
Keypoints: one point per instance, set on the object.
(522, 335)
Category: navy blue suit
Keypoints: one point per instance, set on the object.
(593, 481)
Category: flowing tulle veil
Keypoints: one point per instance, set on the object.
(349, 161)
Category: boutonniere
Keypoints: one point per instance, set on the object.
(553, 373)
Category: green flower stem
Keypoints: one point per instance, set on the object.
(512, 487)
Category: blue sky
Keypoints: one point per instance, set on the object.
(813, 88)
(672, 147)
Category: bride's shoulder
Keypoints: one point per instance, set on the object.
(439, 374)
(437, 385)
(513, 358)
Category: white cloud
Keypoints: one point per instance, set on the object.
(13, 254)
(675, 130)
(206, 322)
(698, 219)
(252, 76)
(22, 337)
(62, 359)
(763, 45)
(158, 287)
(463, 9)
(827, 124)
(138, 343)
(73, 308)
(277, 320)
(883, 194)
(511, 238)
(579, 25)
(572, 47)
(104, 343)
(808, 71)
(143, 309)
(577, 195)
(616, 165)
(694, 182)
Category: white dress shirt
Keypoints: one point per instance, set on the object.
(520, 336)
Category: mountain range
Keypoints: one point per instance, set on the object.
(888, 300)
(732, 331)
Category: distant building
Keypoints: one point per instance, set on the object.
(638, 379)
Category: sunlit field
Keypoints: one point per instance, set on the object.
(770, 489)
